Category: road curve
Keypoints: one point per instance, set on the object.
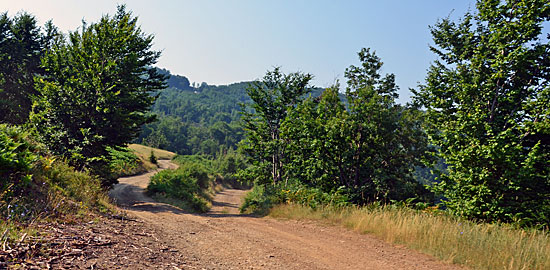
(223, 239)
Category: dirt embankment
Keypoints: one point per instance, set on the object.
(223, 239)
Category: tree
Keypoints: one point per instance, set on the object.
(488, 101)
(271, 99)
(22, 44)
(98, 89)
(314, 137)
(370, 148)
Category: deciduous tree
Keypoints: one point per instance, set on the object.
(98, 89)
(271, 99)
(488, 104)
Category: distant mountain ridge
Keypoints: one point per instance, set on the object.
(197, 118)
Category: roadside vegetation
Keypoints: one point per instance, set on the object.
(479, 125)
(452, 239)
(59, 192)
(474, 144)
(193, 184)
(65, 121)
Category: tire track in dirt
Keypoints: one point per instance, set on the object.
(223, 239)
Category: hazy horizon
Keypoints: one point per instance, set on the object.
(222, 42)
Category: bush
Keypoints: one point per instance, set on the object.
(34, 184)
(185, 184)
(124, 162)
(153, 158)
(17, 156)
(263, 197)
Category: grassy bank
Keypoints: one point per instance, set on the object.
(479, 246)
(145, 151)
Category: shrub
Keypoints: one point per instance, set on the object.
(34, 184)
(185, 184)
(153, 158)
(123, 162)
(263, 197)
(17, 156)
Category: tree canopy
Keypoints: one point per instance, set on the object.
(99, 86)
(488, 101)
(22, 44)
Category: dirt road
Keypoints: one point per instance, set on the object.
(223, 239)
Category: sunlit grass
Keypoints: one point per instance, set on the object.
(479, 246)
(144, 152)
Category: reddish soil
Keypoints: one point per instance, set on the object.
(159, 236)
(223, 239)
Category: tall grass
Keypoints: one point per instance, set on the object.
(479, 246)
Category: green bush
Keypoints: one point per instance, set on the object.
(185, 184)
(263, 197)
(153, 158)
(34, 184)
(17, 156)
(124, 162)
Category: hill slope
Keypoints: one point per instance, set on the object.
(197, 119)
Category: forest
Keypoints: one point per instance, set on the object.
(473, 143)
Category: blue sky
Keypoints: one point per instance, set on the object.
(220, 42)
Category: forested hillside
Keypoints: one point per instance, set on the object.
(198, 118)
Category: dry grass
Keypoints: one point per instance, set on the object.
(479, 246)
(144, 152)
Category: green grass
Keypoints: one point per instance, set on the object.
(479, 246)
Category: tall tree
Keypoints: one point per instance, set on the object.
(271, 99)
(98, 89)
(22, 44)
(487, 99)
(370, 148)
(314, 134)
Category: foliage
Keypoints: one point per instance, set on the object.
(262, 119)
(56, 188)
(187, 184)
(22, 44)
(17, 156)
(263, 197)
(97, 90)
(152, 157)
(124, 162)
(368, 148)
(488, 102)
(196, 120)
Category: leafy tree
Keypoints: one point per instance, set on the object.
(22, 44)
(488, 104)
(314, 138)
(271, 99)
(370, 149)
(98, 89)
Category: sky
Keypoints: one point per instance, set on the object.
(223, 41)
